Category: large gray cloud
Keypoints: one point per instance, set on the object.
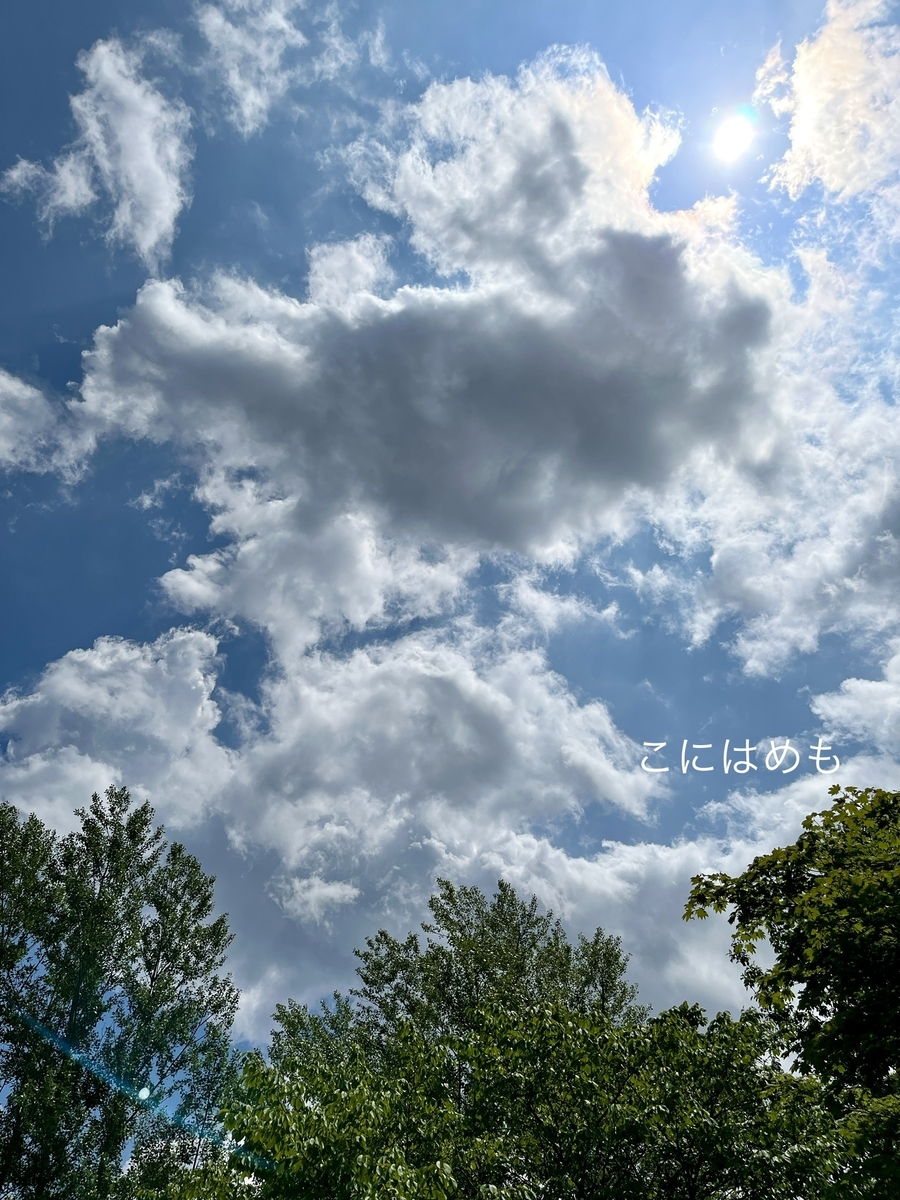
(586, 353)
(471, 415)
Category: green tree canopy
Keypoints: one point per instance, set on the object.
(557, 1105)
(110, 985)
(479, 951)
(501, 1061)
(830, 907)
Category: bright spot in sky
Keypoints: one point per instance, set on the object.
(144, 1094)
(733, 137)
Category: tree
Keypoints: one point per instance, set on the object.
(673, 1108)
(112, 1006)
(478, 951)
(830, 907)
(558, 1105)
(500, 1061)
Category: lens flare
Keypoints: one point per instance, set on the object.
(143, 1096)
(733, 137)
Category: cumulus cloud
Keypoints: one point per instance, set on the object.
(589, 363)
(574, 364)
(439, 738)
(503, 178)
(588, 354)
(867, 709)
(383, 768)
(142, 714)
(639, 888)
(636, 889)
(449, 729)
(365, 447)
(459, 415)
(341, 273)
(367, 773)
(842, 93)
(807, 549)
(803, 542)
(132, 151)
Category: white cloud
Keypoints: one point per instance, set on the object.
(581, 363)
(591, 363)
(53, 782)
(803, 542)
(591, 352)
(132, 148)
(843, 96)
(142, 715)
(509, 179)
(361, 450)
(639, 889)
(309, 899)
(254, 53)
(548, 610)
(365, 775)
(459, 724)
(345, 272)
(807, 550)
(378, 771)
(867, 709)
(259, 55)
(66, 188)
(339, 53)
(28, 425)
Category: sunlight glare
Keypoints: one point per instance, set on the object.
(733, 138)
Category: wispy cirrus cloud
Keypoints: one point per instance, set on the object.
(29, 426)
(842, 94)
(253, 47)
(261, 54)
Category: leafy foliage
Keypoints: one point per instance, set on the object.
(557, 1105)
(500, 1061)
(671, 1107)
(496, 1059)
(109, 984)
(479, 952)
(830, 907)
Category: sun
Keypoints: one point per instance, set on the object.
(733, 137)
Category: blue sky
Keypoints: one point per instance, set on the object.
(408, 411)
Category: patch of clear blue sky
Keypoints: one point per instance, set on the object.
(83, 562)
